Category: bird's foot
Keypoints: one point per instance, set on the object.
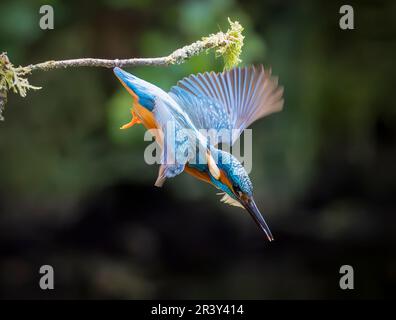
(133, 121)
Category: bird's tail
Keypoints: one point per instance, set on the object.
(142, 91)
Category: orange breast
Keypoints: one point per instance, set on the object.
(203, 176)
(148, 120)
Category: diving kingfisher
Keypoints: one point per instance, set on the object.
(184, 119)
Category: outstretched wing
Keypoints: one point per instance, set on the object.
(232, 99)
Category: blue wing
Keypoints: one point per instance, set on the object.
(205, 113)
(229, 100)
(182, 143)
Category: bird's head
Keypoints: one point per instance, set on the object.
(233, 179)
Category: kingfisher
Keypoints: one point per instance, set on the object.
(198, 114)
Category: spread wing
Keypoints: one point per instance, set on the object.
(231, 100)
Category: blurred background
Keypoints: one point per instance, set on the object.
(76, 193)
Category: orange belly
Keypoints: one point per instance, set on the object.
(203, 176)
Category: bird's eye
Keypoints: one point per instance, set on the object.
(237, 190)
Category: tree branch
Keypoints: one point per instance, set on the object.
(228, 45)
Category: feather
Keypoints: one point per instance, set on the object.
(229, 100)
(228, 200)
(213, 168)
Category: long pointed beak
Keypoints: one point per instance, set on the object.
(251, 207)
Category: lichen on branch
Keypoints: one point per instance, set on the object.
(12, 79)
(232, 49)
(226, 44)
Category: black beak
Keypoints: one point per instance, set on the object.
(251, 207)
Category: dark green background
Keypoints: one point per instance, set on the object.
(76, 193)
